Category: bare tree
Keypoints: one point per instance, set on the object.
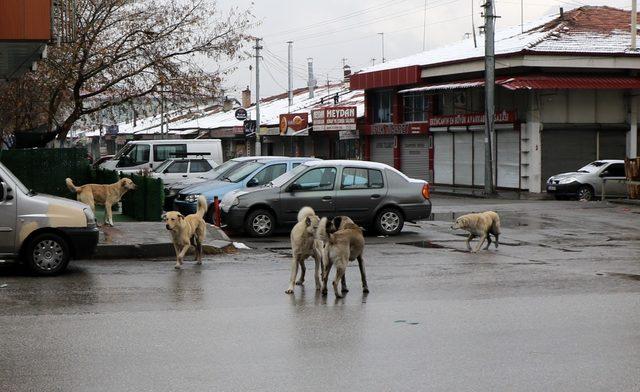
(128, 49)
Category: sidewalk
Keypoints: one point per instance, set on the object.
(479, 193)
(151, 239)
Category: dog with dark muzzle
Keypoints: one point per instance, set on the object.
(187, 231)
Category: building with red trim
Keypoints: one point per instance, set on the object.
(566, 94)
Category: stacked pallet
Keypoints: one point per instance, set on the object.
(632, 172)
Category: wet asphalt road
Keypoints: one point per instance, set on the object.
(555, 308)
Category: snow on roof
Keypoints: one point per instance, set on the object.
(584, 30)
(272, 107)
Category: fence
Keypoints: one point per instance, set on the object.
(145, 203)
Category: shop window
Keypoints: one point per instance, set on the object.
(415, 107)
(382, 107)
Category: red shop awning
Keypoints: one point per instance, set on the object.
(543, 82)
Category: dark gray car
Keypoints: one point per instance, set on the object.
(373, 194)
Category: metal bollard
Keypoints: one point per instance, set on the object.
(216, 211)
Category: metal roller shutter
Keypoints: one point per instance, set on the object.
(508, 158)
(612, 144)
(415, 156)
(566, 150)
(382, 149)
(478, 158)
(443, 158)
(463, 154)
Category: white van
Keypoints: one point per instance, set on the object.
(44, 231)
(148, 154)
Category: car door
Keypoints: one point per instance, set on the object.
(616, 184)
(8, 213)
(361, 191)
(315, 187)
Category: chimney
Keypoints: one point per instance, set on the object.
(561, 13)
(246, 98)
(227, 104)
(346, 70)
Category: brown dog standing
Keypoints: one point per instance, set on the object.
(187, 231)
(479, 225)
(107, 195)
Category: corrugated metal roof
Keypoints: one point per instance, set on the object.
(445, 86)
(543, 82)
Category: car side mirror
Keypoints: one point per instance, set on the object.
(252, 182)
(294, 187)
(3, 190)
(604, 173)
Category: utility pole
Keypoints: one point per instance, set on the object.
(311, 83)
(257, 147)
(344, 62)
(290, 70)
(522, 16)
(373, 61)
(162, 110)
(473, 26)
(424, 28)
(382, 36)
(634, 23)
(489, 89)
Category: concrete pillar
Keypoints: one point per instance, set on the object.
(533, 131)
(632, 134)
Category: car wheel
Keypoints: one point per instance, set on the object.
(259, 223)
(389, 221)
(585, 192)
(47, 254)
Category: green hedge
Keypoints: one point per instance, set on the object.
(45, 169)
(146, 202)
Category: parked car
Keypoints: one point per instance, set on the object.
(174, 170)
(373, 194)
(148, 154)
(586, 183)
(43, 231)
(251, 174)
(100, 160)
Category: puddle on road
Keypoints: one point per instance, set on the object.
(620, 275)
(424, 244)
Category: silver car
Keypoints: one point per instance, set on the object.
(587, 182)
(373, 194)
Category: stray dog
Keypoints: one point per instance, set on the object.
(304, 244)
(187, 231)
(343, 242)
(479, 225)
(107, 195)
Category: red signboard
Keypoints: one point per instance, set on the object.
(335, 118)
(293, 122)
(471, 119)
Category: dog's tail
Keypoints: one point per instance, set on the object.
(71, 187)
(202, 206)
(322, 233)
(304, 213)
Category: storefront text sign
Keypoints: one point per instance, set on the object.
(395, 129)
(334, 118)
(470, 119)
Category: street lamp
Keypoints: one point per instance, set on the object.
(382, 36)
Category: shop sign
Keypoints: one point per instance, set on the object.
(264, 131)
(348, 135)
(249, 128)
(334, 118)
(241, 114)
(112, 129)
(238, 130)
(471, 119)
(394, 129)
(293, 122)
(221, 133)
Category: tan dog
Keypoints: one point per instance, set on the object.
(305, 245)
(187, 231)
(107, 195)
(344, 245)
(479, 225)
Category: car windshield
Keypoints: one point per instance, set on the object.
(280, 181)
(243, 171)
(592, 167)
(163, 165)
(226, 168)
(15, 180)
(124, 150)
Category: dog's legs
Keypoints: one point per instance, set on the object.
(183, 252)
(482, 239)
(488, 242)
(344, 281)
(198, 246)
(303, 272)
(340, 267)
(363, 274)
(496, 242)
(318, 266)
(294, 273)
(326, 268)
(471, 236)
(108, 216)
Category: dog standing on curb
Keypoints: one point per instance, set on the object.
(343, 242)
(481, 225)
(107, 195)
(304, 244)
(187, 231)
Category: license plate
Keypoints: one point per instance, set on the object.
(551, 188)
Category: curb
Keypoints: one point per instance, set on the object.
(150, 251)
(499, 196)
(628, 202)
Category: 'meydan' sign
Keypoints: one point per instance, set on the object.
(335, 118)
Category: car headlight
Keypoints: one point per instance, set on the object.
(191, 198)
(567, 180)
(226, 205)
(91, 219)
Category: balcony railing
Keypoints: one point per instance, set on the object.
(63, 21)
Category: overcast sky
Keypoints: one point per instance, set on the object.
(330, 30)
